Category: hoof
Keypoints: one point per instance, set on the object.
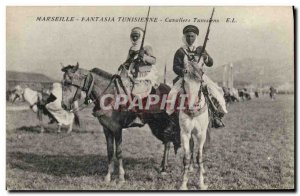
(121, 178)
(203, 187)
(69, 131)
(107, 179)
(183, 188)
(163, 173)
(191, 169)
(121, 181)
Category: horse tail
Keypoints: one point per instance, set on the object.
(76, 119)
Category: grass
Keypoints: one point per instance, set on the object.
(254, 151)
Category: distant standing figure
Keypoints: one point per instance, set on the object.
(272, 92)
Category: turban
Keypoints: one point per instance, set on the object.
(137, 30)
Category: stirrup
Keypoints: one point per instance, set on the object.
(217, 122)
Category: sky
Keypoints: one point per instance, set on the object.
(35, 46)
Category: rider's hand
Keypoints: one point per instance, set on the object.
(205, 57)
(185, 71)
(141, 54)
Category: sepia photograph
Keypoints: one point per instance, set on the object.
(150, 98)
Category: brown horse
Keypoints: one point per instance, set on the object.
(98, 84)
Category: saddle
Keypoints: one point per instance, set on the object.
(139, 87)
(141, 90)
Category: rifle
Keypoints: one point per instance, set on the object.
(139, 60)
(144, 35)
(206, 36)
(204, 44)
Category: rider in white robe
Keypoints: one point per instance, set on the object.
(143, 73)
(55, 108)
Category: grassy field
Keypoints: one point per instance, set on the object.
(254, 151)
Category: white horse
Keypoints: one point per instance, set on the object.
(193, 121)
(34, 98)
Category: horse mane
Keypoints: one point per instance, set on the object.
(101, 73)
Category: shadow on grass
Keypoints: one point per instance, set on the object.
(33, 129)
(50, 129)
(74, 166)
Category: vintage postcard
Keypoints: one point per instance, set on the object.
(150, 98)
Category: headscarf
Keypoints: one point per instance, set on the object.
(186, 45)
(136, 45)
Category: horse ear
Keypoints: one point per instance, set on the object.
(63, 68)
(76, 67)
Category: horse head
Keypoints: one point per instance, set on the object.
(192, 84)
(73, 85)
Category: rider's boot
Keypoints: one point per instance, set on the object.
(217, 113)
(217, 122)
(173, 118)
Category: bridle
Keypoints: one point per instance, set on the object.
(82, 80)
(85, 82)
(201, 110)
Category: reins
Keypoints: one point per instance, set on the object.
(113, 79)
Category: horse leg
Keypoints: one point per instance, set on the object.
(191, 167)
(168, 153)
(59, 128)
(185, 140)
(71, 125)
(40, 117)
(110, 153)
(118, 141)
(164, 160)
(201, 137)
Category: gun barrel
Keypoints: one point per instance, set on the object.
(207, 33)
(145, 29)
